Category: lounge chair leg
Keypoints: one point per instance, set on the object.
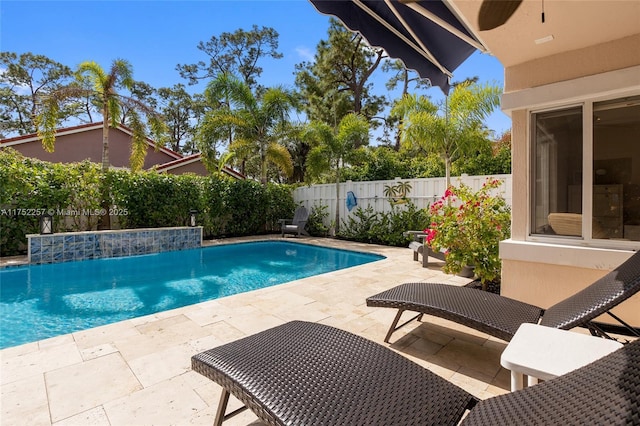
(222, 407)
(393, 327)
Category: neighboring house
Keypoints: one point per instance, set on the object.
(193, 164)
(572, 89)
(84, 142)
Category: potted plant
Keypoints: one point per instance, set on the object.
(468, 227)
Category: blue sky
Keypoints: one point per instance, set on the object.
(156, 35)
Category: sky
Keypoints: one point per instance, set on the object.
(155, 36)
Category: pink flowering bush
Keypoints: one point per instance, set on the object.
(468, 227)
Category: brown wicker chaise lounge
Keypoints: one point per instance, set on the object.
(304, 373)
(500, 316)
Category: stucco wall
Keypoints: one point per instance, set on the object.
(532, 272)
(613, 55)
(87, 145)
(520, 172)
(545, 284)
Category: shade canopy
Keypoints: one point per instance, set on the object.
(425, 35)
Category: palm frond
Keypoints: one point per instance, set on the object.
(280, 157)
(138, 141)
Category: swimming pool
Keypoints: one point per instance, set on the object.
(42, 301)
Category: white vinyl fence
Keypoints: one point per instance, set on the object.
(423, 193)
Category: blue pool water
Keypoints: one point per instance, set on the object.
(41, 301)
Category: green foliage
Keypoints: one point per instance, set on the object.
(246, 205)
(316, 222)
(469, 226)
(100, 87)
(30, 188)
(492, 160)
(159, 200)
(280, 205)
(334, 147)
(253, 122)
(379, 163)
(23, 78)
(226, 207)
(236, 53)
(454, 128)
(337, 82)
(366, 225)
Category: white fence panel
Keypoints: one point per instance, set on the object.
(423, 192)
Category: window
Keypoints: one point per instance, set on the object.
(610, 182)
(557, 140)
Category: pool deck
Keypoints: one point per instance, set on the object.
(137, 372)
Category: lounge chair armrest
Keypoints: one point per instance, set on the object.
(417, 235)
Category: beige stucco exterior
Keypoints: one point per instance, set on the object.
(546, 284)
(543, 272)
(604, 57)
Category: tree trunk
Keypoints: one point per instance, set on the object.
(337, 218)
(263, 169)
(447, 170)
(104, 222)
(105, 143)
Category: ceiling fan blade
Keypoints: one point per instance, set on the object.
(494, 13)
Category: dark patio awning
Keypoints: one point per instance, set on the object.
(426, 35)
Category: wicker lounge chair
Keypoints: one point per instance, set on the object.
(297, 224)
(500, 316)
(304, 373)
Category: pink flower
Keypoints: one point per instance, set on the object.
(448, 193)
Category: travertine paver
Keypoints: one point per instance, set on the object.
(137, 372)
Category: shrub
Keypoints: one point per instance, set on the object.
(29, 188)
(315, 223)
(469, 226)
(366, 225)
(280, 205)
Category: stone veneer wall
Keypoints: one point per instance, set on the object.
(71, 246)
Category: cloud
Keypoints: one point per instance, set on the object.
(305, 53)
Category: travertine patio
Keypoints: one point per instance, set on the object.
(137, 372)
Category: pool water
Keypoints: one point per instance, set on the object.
(42, 301)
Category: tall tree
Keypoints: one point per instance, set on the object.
(236, 53)
(400, 75)
(23, 79)
(338, 81)
(335, 148)
(104, 94)
(298, 144)
(256, 122)
(451, 128)
(180, 113)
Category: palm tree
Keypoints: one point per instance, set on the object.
(254, 124)
(335, 147)
(452, 128)
(93, 83)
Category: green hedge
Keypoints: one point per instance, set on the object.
(226, 207)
